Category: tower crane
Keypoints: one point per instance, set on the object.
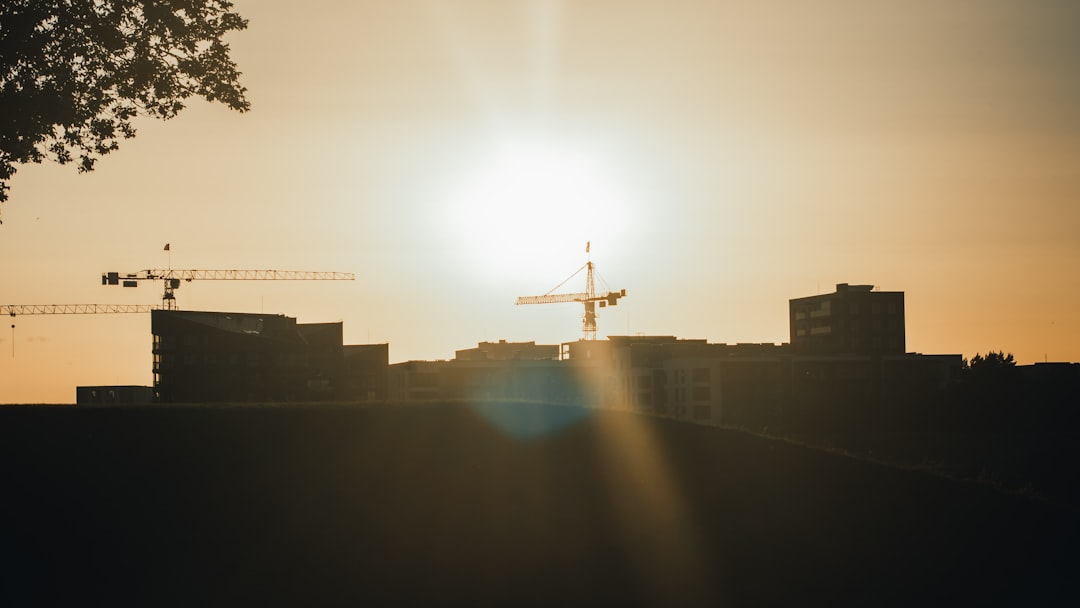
(589, 297)
(173, 278)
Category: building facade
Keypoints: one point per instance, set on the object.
(684, 379)
(216, 357)
(843, 344)
(854, 319)
(495, 372)
(509, 351)
(365, 372)
(114, 395)
(692, 379)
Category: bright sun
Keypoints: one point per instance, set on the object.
(532, 196)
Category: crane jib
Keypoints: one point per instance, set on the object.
(172, 278)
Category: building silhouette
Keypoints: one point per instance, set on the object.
(213, 357)
(364, 373)
(508, 351)
(845, 344)
(493, 371)
(852, 320)
(114, 395)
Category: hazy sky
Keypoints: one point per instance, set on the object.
(722, 157)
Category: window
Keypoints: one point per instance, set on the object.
(702, 393)
(821, 309)
(701, 374)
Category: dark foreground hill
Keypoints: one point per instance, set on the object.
(512, 505)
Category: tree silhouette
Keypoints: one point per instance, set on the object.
(74, 73)
(992, 362)
(993, 384)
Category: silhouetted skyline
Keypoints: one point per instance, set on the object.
(722, 158)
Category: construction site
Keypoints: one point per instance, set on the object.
(852, 339)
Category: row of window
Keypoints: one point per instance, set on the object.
(169, 361)
(696, 394)
(852, 325)
(824, 309)
(875, 308)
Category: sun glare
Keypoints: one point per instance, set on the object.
(528, 197)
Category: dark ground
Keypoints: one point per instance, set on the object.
(437, 505)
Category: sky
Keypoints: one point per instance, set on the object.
(721, 157)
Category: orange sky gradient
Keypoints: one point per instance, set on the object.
(722, 158)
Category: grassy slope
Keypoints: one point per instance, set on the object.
(426, 504)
